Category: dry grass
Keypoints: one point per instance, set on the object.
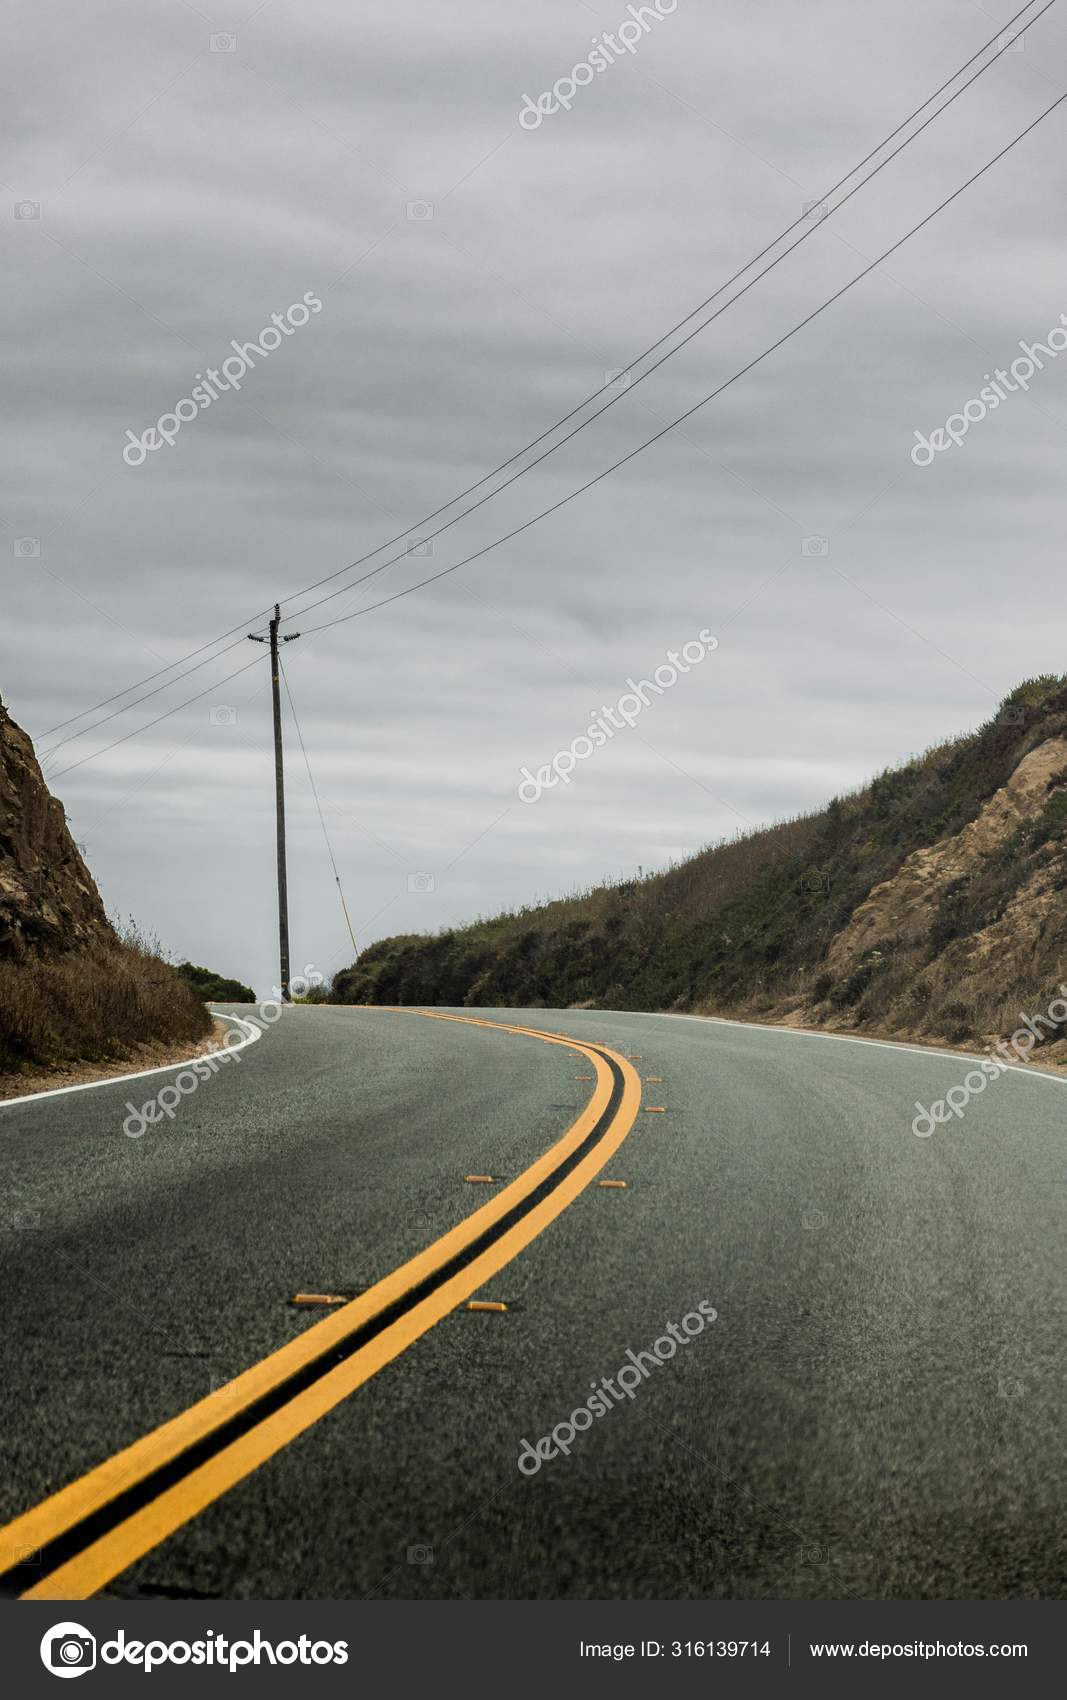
(93, 1006)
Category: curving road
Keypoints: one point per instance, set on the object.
(874, 1411)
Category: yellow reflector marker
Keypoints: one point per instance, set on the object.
(655, 1109)
(318, 1299)
(612, 1183)
(654, 1079)
(486, 1304)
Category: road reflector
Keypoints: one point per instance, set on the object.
(612, 1183)
(655, 1109)
(585, 1077)
(637, 1058)
(653, 1080)
(318, 1299)
(479, 1180)
(486, 1304)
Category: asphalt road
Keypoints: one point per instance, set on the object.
(875, 1411)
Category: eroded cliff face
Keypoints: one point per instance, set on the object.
(904, 906)
(48, 898)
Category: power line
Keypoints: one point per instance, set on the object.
(671, 352)
(150, 723)
(682, 417)
(318, 805)
(158, 674)
(641, 447)
(617, 395)
(103, 721)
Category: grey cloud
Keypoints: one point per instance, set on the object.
(444, 345)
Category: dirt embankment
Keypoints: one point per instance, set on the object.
(71, 990)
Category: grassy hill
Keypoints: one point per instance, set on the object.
(929, 903)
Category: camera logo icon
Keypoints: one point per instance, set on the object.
(815, 210)
(418, 209)
(223, 714)
(27, 547)
(222, 1389)
(421, 882)
(68, 1650)
(1012, 714)
(815, 547)
(420, 546)
(27, 209)
(420, 1555)
(24, 1221)
(224, 42)
(1009, 42)
(617, 378)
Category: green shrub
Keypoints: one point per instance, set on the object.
(215, 988)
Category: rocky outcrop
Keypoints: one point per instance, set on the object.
(48, 898)
(903, 906)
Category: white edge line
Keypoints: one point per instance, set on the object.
(851, 1039)
(252, 1032)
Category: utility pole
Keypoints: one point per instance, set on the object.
(279, 797)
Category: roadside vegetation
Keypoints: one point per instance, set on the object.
(75, 987)
(94, 1005)
(215, 988)
(760, 925)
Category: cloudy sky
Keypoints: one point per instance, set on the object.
(175, 174)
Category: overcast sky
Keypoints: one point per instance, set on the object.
(187, 192)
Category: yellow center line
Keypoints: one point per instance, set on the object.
(92, 1567)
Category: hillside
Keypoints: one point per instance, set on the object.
(71, 989)
(929, 904)
(48, 899)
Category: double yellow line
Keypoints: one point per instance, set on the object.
(73, 1543)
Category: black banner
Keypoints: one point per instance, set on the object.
(683, 1647)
